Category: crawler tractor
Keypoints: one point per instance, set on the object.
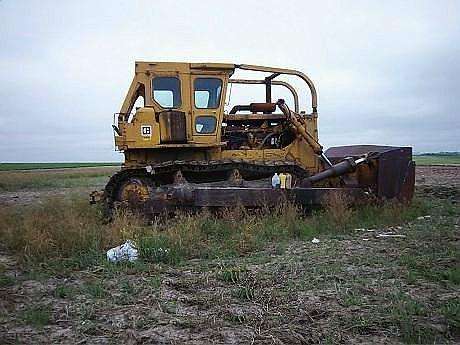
(182, 149)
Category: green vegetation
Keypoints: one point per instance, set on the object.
(12, 181)
(75, 234)
(34, 166)
(37, 316)
(6, 280)
(258, 271)
(64, 291)
(437, 159)
(95, 289)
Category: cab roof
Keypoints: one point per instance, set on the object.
(144, 66)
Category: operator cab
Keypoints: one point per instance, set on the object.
(184, 106)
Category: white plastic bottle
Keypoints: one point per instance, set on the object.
(276, 181)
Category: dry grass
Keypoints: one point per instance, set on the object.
(351, 287)
(62, 228)
(65, 228)
(338, 207)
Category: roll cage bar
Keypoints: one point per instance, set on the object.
(268, 81)
(274, 82)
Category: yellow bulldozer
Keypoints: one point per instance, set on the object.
(182, 149)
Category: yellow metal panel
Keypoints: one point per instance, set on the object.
(217, 112)
(142, 132)
(208, 65)
(137, 135)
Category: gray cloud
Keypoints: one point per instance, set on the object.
(386, 73)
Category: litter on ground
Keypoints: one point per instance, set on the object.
(125, 252)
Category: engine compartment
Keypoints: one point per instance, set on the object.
(256, 131)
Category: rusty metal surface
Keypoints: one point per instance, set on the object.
(393, 167)
(340, 152)
(172, 126)
(253, 117)
(197, 173)
(204, 196)
(391, 173)
(266, 108)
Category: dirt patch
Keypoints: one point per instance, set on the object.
(438, 176)
(439, 181)
(24, 198)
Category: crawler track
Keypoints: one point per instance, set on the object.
(199, 172)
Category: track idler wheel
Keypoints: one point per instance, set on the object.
(133, 192)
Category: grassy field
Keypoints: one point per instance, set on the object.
(33, 166)
(441, 159)
(379, 274)
(97, 177)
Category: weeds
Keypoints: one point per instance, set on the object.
(64, 291)
(95, 289)
(383, 287)
(6, 280)
(128, 288)
(160, 248)
(244, 292)
(338, 208)
(231, 275)
(37, 316)
(451, 312)
(154, 282)
(69, 234)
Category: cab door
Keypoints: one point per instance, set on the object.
(207, 99)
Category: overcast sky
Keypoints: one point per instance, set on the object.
(387, 72)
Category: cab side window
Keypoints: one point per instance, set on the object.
(207, 93)
(166, 92)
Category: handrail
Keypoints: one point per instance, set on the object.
(274, 82)
(314, 97)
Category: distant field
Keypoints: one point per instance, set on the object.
(33, 166)
(419, 159)
(33, 179)
(437, 159)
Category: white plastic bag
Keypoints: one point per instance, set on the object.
(126, 252)
(315, 240)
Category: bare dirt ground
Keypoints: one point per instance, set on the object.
(442, 181)
(355, 288)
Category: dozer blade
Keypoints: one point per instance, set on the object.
(389, 174)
